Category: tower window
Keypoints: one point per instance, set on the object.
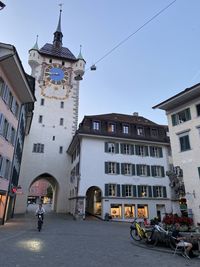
(63, 63)
(42, 102)
(60, 149)
(53, 138)
(61, 104)
(61, 121)
(40, 119)
(50, 60)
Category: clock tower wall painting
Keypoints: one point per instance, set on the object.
(57, 73)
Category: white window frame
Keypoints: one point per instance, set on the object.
(112, 167)
(112, 190)
(96, 125)
(125, 129)
(128, 190)
(111, 147)
(127, 168)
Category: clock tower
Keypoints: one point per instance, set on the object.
(57, 73)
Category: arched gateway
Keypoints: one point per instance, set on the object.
(57, 74)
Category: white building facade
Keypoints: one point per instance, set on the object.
(183, 114)
(118, 166)
(57, 73)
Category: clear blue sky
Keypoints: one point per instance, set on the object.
(156, 63)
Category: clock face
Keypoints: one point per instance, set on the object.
(56, 81)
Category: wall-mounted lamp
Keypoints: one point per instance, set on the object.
(2, 5)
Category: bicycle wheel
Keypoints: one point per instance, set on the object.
(134, 234)
(153, 239)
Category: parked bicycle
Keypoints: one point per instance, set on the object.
(139, 233)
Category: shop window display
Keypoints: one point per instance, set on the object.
(129, 211)
(116, 211)
(142, 211)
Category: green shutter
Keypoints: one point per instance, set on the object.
(133, 169)
(146, 151)
(122, 148)
(122, 168)
(199, 171)
(139, 191)
(148, 170)
(151, 151)
(1, 123)
(174, 120)
(137, 151)
(163, 171)
(154, 191)
(118, 190)
(116, 148)
(138, 169)
(123, 190)
(118, 170)
(106, 146)
(164, 192)
(188, 115)
(153, 171)
(150, 191)
(160, 152)
(106, 190)
(106, 167)
(132, 149)
(134, 191)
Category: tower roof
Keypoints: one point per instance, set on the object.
(35, 47)
(57, 41)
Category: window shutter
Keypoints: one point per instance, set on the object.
(153, 172)
(133, 169)
(3, 167)
(188, 115)
(174, 121)
(116, 148)
(150, 191)
(199, 171)
(136, 149)
(138, 169)
(118, 190)
(118, 169)
(1, 123)
(163, 171)
(164, 192)
(139, 191)
(148, 170)
(122, 148)
(13, 106)
(106, 147)
(8, 137)
(123, 190)
(122, 168)
(154, 191)
(146, 151)
(132, 149)
(134, 191)
(106, 190)
(151, 151)
(106, 167)
(160, 152)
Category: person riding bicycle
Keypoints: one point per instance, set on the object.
(40, 211)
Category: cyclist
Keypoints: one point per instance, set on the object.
(40, 211)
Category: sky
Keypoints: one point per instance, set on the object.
(157, 62)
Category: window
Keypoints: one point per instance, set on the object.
(112, 190)
(40, 118)
(140, 131)
(16, 109)
(53, 138)
(198, 109)
(2, 87)
(42, 101)
(5, 128)
(159, 191)
(111, 127)
(128, 190)
(141, 150)
(61, 121)
(116, 210)
(1, 158)
(61, 104)
(129, 211)
(38, 148)
(127, 149)
(12, 139)
(184, 143)
(60, 149)
(199, 171)
(96, 125)
(111, 167)
(181, 117)
(10, 100)
(144, 190)
(142, 211)
(127, 168)
(111, 147)
(125, 129)
(156, 152)
(154, 132)
(157, 171)
(143, 170)
(7, 169)
(50, 60)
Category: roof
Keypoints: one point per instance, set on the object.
(180, 98)
(123, 118)
(52, 51)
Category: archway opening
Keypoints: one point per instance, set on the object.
(94, 201)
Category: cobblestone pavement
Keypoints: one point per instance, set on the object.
(65, 242)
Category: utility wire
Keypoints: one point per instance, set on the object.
(128, 37)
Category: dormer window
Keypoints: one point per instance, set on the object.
(140, 131)
(125, 129)
(154, 132)
(111, 127)
(96, 125)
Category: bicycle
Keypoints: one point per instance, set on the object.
(159, 234)
(139, 233)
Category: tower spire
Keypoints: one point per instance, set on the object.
(57, 42)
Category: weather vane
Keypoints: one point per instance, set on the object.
(61, 4)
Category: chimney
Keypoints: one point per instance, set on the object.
(135, 114)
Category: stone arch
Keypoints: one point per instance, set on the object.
(54, 184)
(94, 201)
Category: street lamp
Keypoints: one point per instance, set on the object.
(2, 5)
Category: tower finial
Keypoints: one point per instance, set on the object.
(35, 47)
(57, 42)
(80, 53)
